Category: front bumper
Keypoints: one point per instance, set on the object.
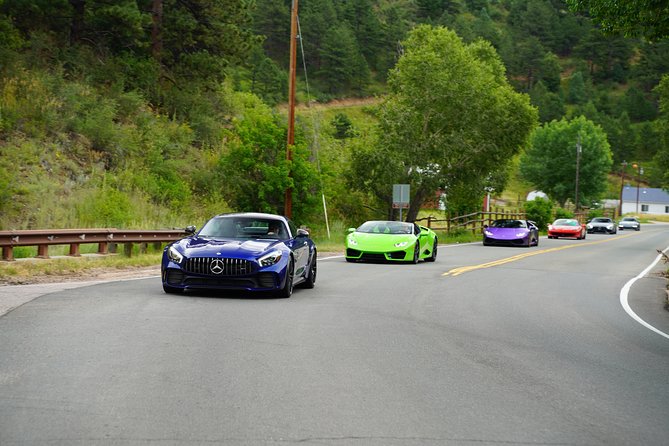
(491, 241)
(601, 230)
(371, 256)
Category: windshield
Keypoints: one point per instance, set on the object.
(244, 228)
(386, 227)
(629, 219)
(602, 220)
(566, 222)
(514, 224)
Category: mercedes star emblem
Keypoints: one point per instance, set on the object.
(217, 266)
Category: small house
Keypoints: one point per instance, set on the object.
(644, 200)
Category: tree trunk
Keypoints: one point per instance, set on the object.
(78, 17)
(157, 30)
(416, 202)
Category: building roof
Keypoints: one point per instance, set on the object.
(646, 195)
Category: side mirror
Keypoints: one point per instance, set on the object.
(350, 230)
(302, 233)
(485, 226)
(190, 230)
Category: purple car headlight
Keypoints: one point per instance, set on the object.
(488, 233)
(521, 234)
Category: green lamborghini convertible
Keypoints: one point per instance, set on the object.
(392, 241)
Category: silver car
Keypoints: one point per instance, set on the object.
(601, 224)
(629, 223)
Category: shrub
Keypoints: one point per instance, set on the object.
(563, 213)
(540, 211)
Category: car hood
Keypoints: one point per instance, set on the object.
(205, 247)
(507, 233)
(600, 223)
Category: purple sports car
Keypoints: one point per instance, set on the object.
(511, 233)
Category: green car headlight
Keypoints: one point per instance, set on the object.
(351, 241)
(401, 244)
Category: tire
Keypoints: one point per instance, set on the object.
(529, 241)
(287, 289)
(171, 290)
(416, 252)
(313, 269)
(433, 257)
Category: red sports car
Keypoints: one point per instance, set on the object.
(566, 227)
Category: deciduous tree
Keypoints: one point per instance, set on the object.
(451, 118)
(550, 162)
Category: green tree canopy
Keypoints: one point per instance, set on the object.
(662, 156)
(550, 163)
(451, 117)
(255, 173)
(641, 18)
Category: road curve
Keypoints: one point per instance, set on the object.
(533, 350)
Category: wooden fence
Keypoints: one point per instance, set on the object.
(471, 222)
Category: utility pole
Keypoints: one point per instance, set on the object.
(578, 163)
(639, 171)
(622, 186)
(288, 205)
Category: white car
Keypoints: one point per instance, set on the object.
(629, 223)
(601, 224)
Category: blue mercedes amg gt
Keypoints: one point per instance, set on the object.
(243, 251)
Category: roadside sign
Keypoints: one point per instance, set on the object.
(401, 194)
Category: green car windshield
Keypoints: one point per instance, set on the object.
(386, 227)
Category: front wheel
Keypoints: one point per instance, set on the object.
(416, 252)
(433, 257)
(287, 289)
(311, 278)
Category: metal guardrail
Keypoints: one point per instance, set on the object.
(43, 238)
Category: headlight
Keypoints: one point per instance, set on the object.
(270, 259)
(588, 226)
(488, 233)
(609, 226)
(351, 241)
(401, 244)
(550, 227)
(521, 234)
(174, 255)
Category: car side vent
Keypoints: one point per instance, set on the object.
(216, 266)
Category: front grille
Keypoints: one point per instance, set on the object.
(497, 242)
(369, 257)
(217, 267)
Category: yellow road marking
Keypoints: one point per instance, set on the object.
(465, 269)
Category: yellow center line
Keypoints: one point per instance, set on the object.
(465, 269)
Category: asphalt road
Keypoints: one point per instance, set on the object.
(486, 346)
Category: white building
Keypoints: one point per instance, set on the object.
(645, 200)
